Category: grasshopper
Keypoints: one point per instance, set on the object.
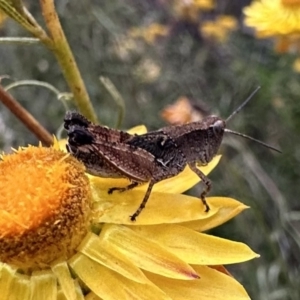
(106, 152)
(151, 157)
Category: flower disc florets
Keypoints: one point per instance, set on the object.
(44, 206)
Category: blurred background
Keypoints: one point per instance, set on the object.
(174, 62)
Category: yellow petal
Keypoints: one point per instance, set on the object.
(79, 295)
(185, 180)
(174, 185)
(140, 129)
(78, 290)
(43, 285)
(197, 248)
(61, 271)
(61, 144)
(212, 285)
(226, 209)
(109, 285)
(106, 255)
(61, 295)
(160, 208)
(20, 288)
(92, 296)
(146, 254)
(118, 207)
(221, 268)
(6, 278)
(97, 277)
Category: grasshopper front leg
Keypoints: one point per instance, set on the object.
(206, 182)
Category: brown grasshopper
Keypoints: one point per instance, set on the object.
(151, 157)
(106, 153)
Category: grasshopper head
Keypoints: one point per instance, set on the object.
(215, 132)
(218, 127)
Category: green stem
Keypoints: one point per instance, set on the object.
(66, 60)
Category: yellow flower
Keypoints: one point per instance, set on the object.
(296, 65)
(203, 4)
(44, 194)
(151, 33)
(227, 22)
(63, 237)
(219, 29)
(190, 10)
(273, 17)
(147, 70)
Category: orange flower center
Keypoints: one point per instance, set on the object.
(291, 3)
(44, 197)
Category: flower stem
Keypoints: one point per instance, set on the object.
(65, 58)
(28, 120)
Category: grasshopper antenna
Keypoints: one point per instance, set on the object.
(252, 139)
(243, 104)
(244, 135)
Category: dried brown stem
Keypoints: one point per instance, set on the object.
(26, 118)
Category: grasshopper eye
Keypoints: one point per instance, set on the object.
(218, 127)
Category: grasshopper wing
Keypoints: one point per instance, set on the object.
(132, 162)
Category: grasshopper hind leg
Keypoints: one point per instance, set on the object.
(130, 187)
(206, 182)
(143, 203)
(123, 189)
